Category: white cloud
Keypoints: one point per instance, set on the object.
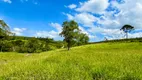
(134, 35)
(83, 30)
(19, 31)
(8, 1)
(70, 17)
(51, 34)
(57, 26)
(91, 37)
(116, 33)
(83, 18)
(72, 6)
(130, 13)
(113, 33)
(93, 6)
(111, 21)
(95, 30)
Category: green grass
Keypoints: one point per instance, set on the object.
(105, 61)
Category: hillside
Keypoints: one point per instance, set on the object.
(120, 40)
(101, 61)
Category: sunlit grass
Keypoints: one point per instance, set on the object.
(122, 61)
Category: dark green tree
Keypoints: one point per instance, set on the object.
(33, 45)
(70, 29)
(4, 29)
(81, 39)
(126, 29)
(4, 32)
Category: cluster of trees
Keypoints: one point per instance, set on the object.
(9, 42)
(31, 45)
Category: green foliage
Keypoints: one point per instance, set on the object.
(33, 45)
(69, 31)
(24, 44)
(105, 61)
(81, 39)
(29, 45)
(72, 35)
(4, 30)
(5, 46)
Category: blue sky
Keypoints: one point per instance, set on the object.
(97, 18)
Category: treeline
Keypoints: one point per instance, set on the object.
(73, 36)
(23, 44)
(29, 44)
(120, 40)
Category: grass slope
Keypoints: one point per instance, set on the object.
(121, 61)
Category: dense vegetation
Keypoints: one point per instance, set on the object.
(29, 44)
(103, 61)
(21, 44)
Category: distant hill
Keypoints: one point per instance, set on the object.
(120, 40)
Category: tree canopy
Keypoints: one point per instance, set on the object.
(81, 39)
(4, 29)
(71, 33)
(127, 28)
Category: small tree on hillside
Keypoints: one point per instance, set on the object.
(127, 29)
(70, 29)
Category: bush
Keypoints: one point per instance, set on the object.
(6, 46)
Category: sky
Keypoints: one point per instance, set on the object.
(99, 19)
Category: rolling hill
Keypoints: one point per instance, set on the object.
(101, 61)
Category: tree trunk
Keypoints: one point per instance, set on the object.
(1, 46)
(68, 46)
(1, 50)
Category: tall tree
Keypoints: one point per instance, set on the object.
(4, 29)
(127, 28)
(4, 32)
(70, 29)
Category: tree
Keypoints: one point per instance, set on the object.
(4, 29)
(4, 32)
(70, 29)
(127, 28)
(81, 39)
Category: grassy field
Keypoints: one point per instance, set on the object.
(104, 61)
